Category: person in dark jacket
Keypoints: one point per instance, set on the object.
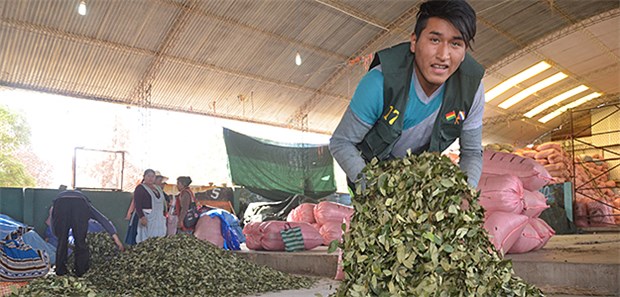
(418, 96)
(72, 210)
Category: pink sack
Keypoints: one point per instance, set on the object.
(528, 240)
(332, 231)
(504, 229)
(330, 211)
(533, 175)
(303, 213)
(271, 239)
(581, 213)
(253, 236)
(210, 229)
(600, 215)
(535, 203)
(501, 193)
(339, 267)
(544, 231)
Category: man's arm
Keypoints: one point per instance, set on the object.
(471, 155)
(349, 132)
(107, 225)
(471, 140)
(103, 220)
(363, 111)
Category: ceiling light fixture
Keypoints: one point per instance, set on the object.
(513, 81)
(298, 59)
(82, 8)
(533, 89)
(566, 107)
(555, 100)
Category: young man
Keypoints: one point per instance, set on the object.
(72, 210)
(421, 96)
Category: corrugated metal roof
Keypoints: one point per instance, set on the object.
(234, 59)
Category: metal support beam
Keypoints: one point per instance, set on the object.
(228, 21)
(146, 52)
(585, 30)
(553, 37)
(306, 107)
(142, 92)
(352, 12)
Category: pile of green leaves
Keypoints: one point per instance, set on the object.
(180, 265)
(185, 266)
(410, 237)
(102, 250)
(57, 286)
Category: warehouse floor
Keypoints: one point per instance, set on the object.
(569, 265)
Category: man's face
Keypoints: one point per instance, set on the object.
(439, 51)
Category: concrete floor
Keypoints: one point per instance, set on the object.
(569, 265)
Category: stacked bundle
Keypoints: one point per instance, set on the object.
(509, 194)
(595, 196)
(268, 235)
(591, 181)
(553, 157)
(499, 147)
(327, 217)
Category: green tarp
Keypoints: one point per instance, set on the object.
(279, 170)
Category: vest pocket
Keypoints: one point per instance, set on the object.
(450, 131)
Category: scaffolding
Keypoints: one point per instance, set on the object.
(596, 167)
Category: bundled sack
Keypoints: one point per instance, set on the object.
(19, 261)
(544, 231)
(302, 213)
(271, 239)
(327, 211)
(213, 227)
(331, 231)
(231, 220)
(209, 229)
(535, 203)
(533, 175)
(268, 236)
(504, 229)
(528, 240)
(600, 215)
(501, 193)
(253, 236)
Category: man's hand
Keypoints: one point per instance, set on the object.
(143, 221)
(118, 243)
(360, 183)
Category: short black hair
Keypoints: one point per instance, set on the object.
(458, 12)
(185, 180)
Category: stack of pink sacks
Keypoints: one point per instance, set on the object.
(320, 224)
(594, 197)
(509, 194)
(267, 236)
(553, 157)
(327, 217)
